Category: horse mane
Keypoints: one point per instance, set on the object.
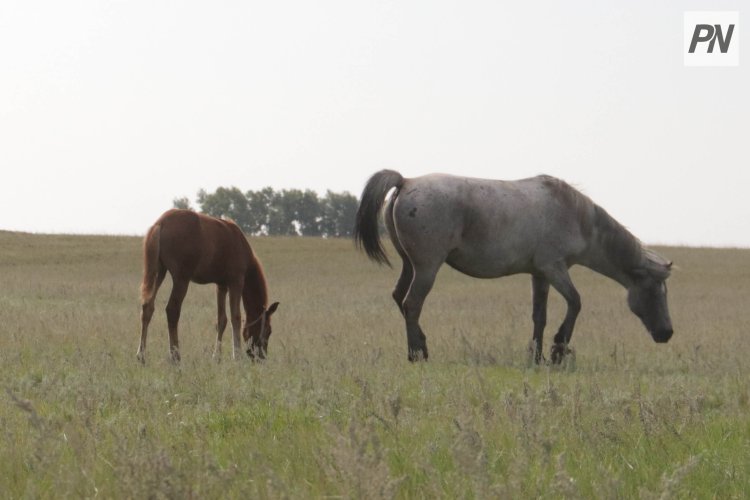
(255, 281)
(619, 243)
(623, 249)
(256, 286)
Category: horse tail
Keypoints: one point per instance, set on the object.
(366, 229)
(151, 244)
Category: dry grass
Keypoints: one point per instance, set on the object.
(338, 411)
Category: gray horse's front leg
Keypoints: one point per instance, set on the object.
(540, 293)
(560, 279)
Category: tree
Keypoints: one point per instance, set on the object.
(281, 214)
(229, 203)
(259, 204)
(289, 212)
(338, 213)
(183, 203)
(308, 213)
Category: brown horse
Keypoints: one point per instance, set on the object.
(196, 247)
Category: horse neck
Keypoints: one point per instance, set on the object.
(255, 293)
(612, 251)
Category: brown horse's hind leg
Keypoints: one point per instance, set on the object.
(221, 319)
(147, 311)
(235, 295)
(174, 306)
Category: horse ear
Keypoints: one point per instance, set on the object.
(669, 265)
(272, 308)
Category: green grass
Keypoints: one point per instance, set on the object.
(338, 411)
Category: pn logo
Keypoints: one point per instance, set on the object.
(712, 38)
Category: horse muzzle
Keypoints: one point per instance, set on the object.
(662, 336)
(256, 353)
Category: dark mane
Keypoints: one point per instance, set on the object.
(618, 243)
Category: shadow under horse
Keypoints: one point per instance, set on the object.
(202, 249)
(492, 228)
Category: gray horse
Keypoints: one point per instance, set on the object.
(491, 228)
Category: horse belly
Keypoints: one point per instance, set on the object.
(201, 280)
(210, 273)
(485, 264)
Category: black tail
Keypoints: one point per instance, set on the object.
(366, 231)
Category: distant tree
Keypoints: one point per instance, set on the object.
(289, 212)
(230, 203)
(183, 203)
(260, 204)
(338, 212)
(280, 220)
(308, 213)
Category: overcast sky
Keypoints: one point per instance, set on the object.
(111, 109)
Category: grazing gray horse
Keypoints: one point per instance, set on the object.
(491, 228)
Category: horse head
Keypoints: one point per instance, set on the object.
(257, 333)
(647, 296)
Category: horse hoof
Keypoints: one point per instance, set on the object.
(535, 357)
(560, 352)
(418, 355)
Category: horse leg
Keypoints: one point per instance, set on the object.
(147, 312)
(235, 295)
(402, 286)
(560, 279)
(407, 270)
(221, 318)
(540, 293)
(174, 306)
(424, 278)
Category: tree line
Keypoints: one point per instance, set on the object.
(288, 212)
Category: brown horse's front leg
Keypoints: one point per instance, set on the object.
(235, 295)
(221, 318)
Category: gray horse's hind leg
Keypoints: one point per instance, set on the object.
(424, 278)
(540, 293)
(407, 270)
(402, 285)
(560, 279)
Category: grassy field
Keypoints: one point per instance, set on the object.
(337, 411)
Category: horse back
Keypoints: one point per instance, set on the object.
(202, 248)
(491, 228)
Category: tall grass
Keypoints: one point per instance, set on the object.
(338, 411)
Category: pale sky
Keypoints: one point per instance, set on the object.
(111, 109)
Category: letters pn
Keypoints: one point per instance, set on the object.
(711, 33)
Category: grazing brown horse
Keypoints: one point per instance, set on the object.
(196, 247)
